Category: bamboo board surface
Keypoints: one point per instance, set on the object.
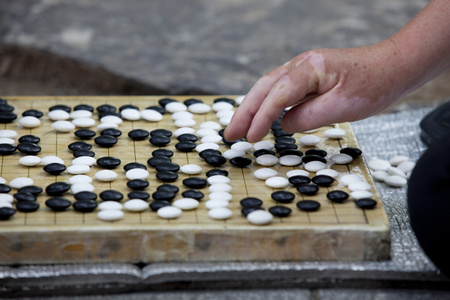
(335, 232)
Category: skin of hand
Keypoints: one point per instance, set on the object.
(326, 86)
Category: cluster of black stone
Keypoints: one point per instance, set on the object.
(7, 114)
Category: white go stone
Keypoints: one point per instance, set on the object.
(395, 181)
(242, 146)
(182, 115)
(107, 125)
(58, 115)
(106, 175)
(183, 130)
(83, 122)
(212, 138)
(297, 172)
(204, 132)
(378, 165)
(309, 140)
(199, 108)
(8, 133)
(30, 160)
(225, 196)
(232, 153)
(135, 205)
(267, 160)
(81, 187)
(225, 113)
(111, 119)
(110, 215)
(20, 182)
(396, 171)
(335, 133)
(361, 195)
(131, 114)
(341, 159)
(406, 166)
(260, 217)
(265, 173)
(173, 107)
(7, 141)
(108, 205)
(5, 204)
(350, 178)
(137, 173)
(186, 203)
(225, 121)
(29, 122)
(50, 159)
(359, 186)
(239, 99)
(218, 106)
(4, 197)
(266, 145)
(310, 131)
(80, 114)
(191, 169)
(63, 126)
(220, 187)
(328, 172)
(80, 179)
(380, 175)
(169, 212)
(84, 160)
(218, 179)
(314, 166)
(211, 204)
(398, 159)
(277, 182)
(185, 122)
(290, 160)
(78, 169)
(205, 146)
(220, 213)
(151, 115)
(211, 125)
(2, 180)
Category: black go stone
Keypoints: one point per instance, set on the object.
(116, 114)
(240, 162)
(7, 149)
(161, 132)
(189, 102)
(163, 195)
(283, 196)
(187, 137)
(156, 160)
(352, 151)
(308, 189)
(57, 188)
(110, 195)
(167, 176)
(137, 184)
(105, 141)
(6, 108)
(186, 146)
(85, 206)
(106, 108)
(337, 196)
(159, 141)
(85, 133)
(194, 194)
(280, 211)
(366, 203)
(138, 134)
(84, 107)
(155, 205)
(213, 172)
(157, 108)
(79, 145)
(299, 180)
(168, 166)
(285, 146)
(112, 132)
(227, 100)
(7, 117)
(260, 152)
(4, 188)
(229, 143)
(246, 210)
(134, 165)
(29, 138)
(164, 101)
(138, 195)
(251, 202)
(3, 101)
(195, 182)
(27, 206)
(33, 113)
(55, 168)
(21, 196)
(276, 125)
(309, 158)
(208, 152)
(108, 162)
(168, 187)
(29, 148)
(221, 132)
(6, 213)
(33, 189)
(85, 196)
(215, 160)
(318, 152)
(84, 153)
(290, 152)
(163, 152)
(128, 106)
(323, 180)
(308, 205)
(279, 133)
(58, 203)
(63, 107)
(285, 139)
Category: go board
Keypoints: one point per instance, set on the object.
(337, 231)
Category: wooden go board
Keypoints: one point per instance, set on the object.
(334, 232)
